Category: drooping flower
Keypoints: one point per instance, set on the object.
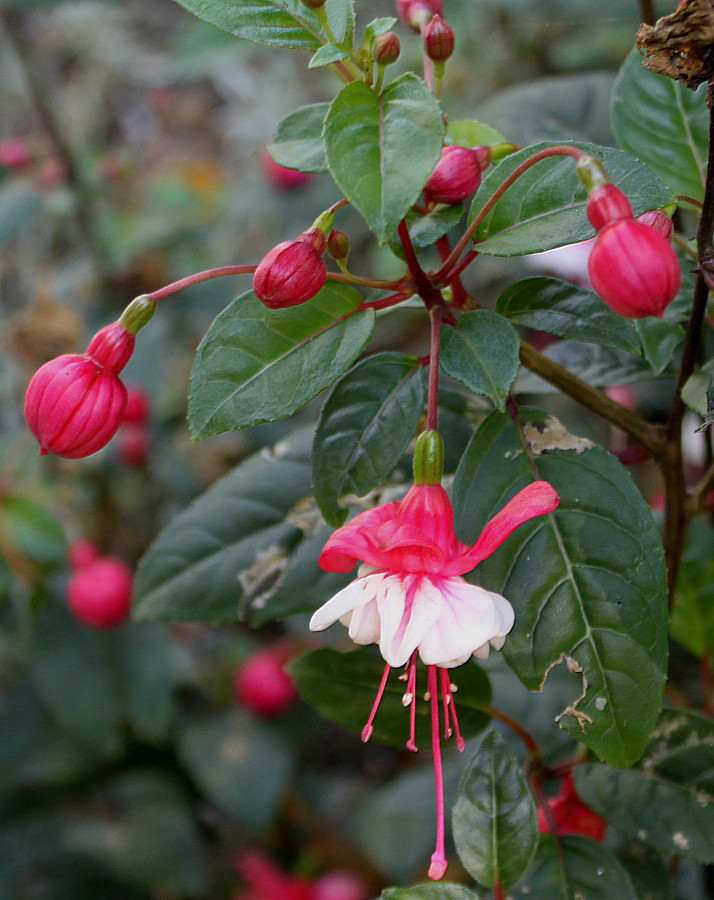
(570, 815)
(409, 595)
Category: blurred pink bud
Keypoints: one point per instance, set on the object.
(634, 269)
(339, 885)
(99, 594)
(14, 153)
(281, 177)
(606, 204)
(52, 172)
(438, 39)
(266, 881)
(137, 406)
(292, 272)
(657, 219)
(338, 244)
(455, 176)
(261, 683)
(133, 444)
(622, 394)
(75, 403)
(81, 553)
(416, 13)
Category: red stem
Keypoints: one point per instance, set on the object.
(432, 404)
(459, 292)
(197, 278)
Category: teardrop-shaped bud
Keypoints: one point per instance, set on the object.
(386, 48)
(438, 39)
(291, 273)
(659, 220)
(99, 594)
(606, 204)
(455, 176)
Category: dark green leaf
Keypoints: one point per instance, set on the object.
(33, 531)
(470, 133)
(675, 778)
(494, 817)
(546, 209)
(560, 108)
(231, 543)
(342, 687)
(277, 23)
(381, 149)
(647, 870)
(258, 365)
(298, 140)
(587, 581)
(241, 764)
(425, 231)
(597, 365)
(547, 304)
(659, 339)
(327, 54)
(582, 868)
(663, 123)
(441, 891)
(693, 612)
(366, 425)
(482, 353)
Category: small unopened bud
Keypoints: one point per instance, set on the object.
(438, 39)
(416, 13)
(99, 594)
(386, 48)
(261, 683)
(14, 153)
(292, 272)
(606, 204)
(657, 219)
(455, 176)
(338, 245)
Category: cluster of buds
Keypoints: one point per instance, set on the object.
(99, 588)
(75, 403)
(457, 174)
(632, 265)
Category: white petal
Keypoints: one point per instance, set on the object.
(357, 593)
(483, 651)
(364, 625)
(469, 619)
(404, 625)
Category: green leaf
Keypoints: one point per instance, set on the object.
(587, 581)
(560, 108)
(230, 543)
(580, 868)
(471, 133)
(33, 531)
(298, 141)
(366, 425)
(546, 208)
(326, 55)
(277, 23)
(425, 231)
(377, 27)
(494, 817)
(659, 339)
(599, 366)
(381, 149)
(242, 765)
(693, 612)
(663, 123)
(440, 891)
(258, 365)
(341, 19)
(482, 353)
(342, 687)
(558, 307)
(675, 778)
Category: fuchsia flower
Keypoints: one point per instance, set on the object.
(410, 597)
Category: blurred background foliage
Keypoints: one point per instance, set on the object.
(132, 139)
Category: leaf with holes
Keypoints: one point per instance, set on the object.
(366, 425)
(258, 365)
(381, 149)
(494, 817)
(587, 581)
(644, 105)
(675, 777)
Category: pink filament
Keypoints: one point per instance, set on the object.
(438, 857)
(368, 729)
(450, 710)
(411, 689)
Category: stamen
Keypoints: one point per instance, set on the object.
(438, 857)
(411, 687)
(368, 729)
(450, 709)
(445, 701)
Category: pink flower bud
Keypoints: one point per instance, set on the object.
(133, 445)
(438, 39)
(339, 885)
(292, 272)
(634, 269)
(386, 48)
(571, 815)
(455, 176)
(606, 204)
(81, 553)
(262, 685)
(99, 594)
(657, 219)
(137, 406)
(280, 177)
(14, 153)
(416, 13)
(75, 403)
(338, 244)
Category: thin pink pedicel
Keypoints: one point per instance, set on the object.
(368, 729)
(438, 857)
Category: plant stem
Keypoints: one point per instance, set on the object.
(432, 408)
(528, 740)
(559, 150)
(647, 12)
(592, 399)
(423, 284)
(84, 211)
(197, 278)
(349, 278)
(676, 507)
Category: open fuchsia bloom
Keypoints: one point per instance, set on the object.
(409, 595)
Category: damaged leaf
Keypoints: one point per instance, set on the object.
(681, 45)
